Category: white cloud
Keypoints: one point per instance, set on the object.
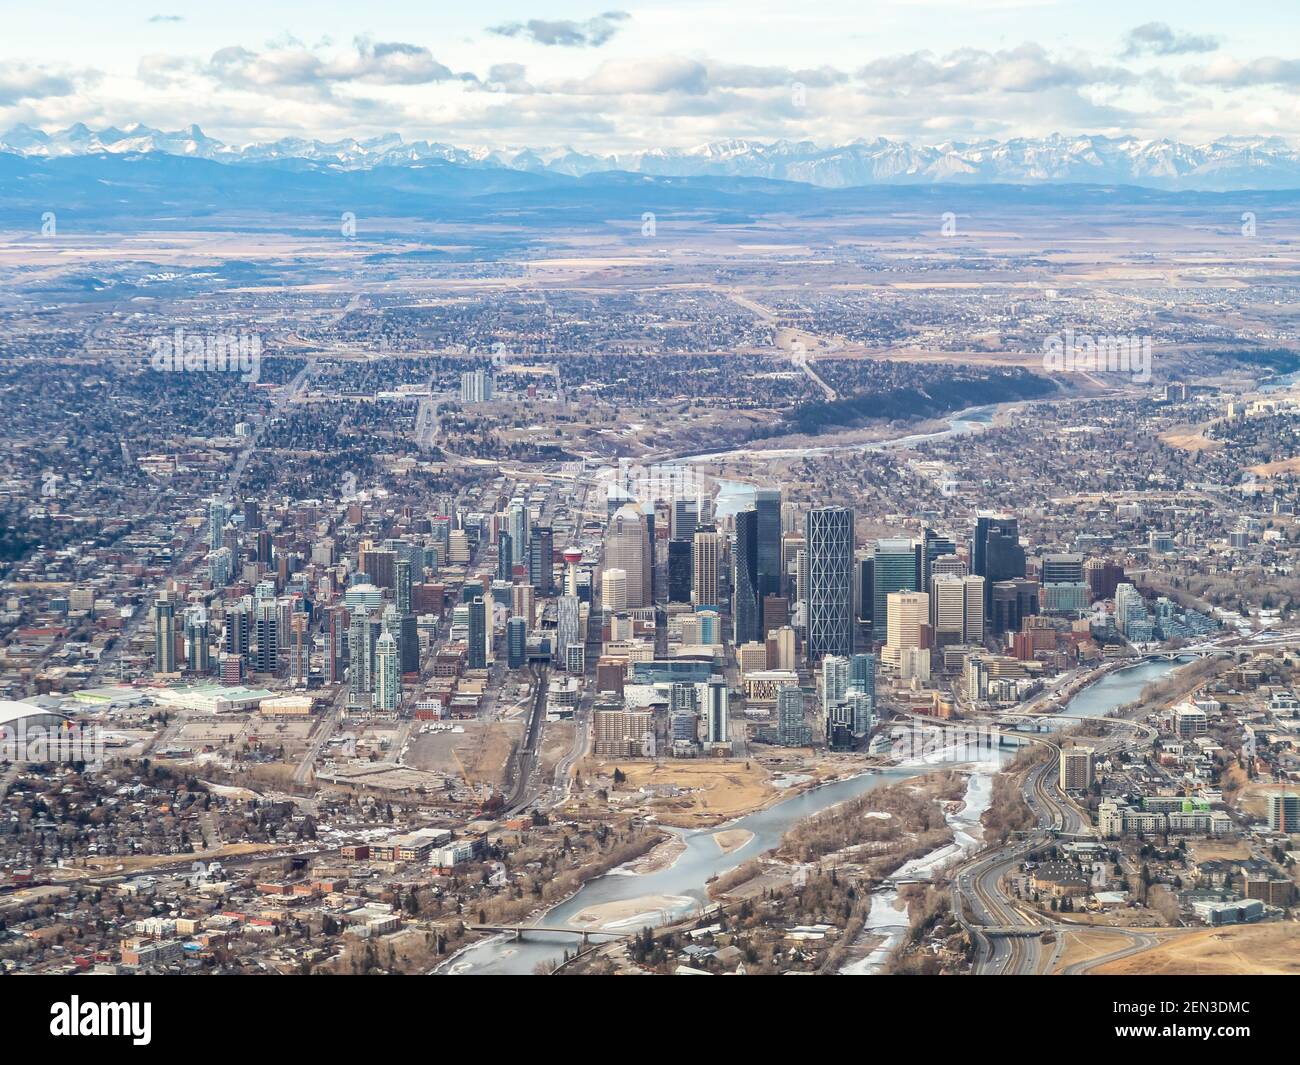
(628, 97)
(972, 71)
(565, 33)
(1234, 74)
(20, 81)
(1160, 39)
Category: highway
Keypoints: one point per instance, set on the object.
(977, 889)
(1007, 935)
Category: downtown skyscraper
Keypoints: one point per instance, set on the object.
(830, 582)
(706, 568)
(361, 656)
(996, 554)
(388, 681)
(894, 569)
(477, 657)
(767, 504)
(746, 597)
(627, 547)
(541, 560)
(164, 633)
(197, 651)
(519, 527)
(218, 515)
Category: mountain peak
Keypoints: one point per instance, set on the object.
(1229, 162)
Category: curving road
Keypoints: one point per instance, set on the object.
(1140, 941)
(1007, 935)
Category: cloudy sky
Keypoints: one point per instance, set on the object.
(669, 73)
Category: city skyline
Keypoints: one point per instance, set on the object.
(676, 490)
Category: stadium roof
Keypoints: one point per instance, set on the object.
(10, 711)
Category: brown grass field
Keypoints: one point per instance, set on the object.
(1236, 950)
(712, 791)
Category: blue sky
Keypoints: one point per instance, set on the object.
(674, 73)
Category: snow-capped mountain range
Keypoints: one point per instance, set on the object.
(1227, 163)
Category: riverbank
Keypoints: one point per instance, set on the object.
(662, 856)
(890, 919)
(712, 793)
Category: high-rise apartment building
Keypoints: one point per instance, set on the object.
(716, 710)
(266, 629)
(505, 556)
(476, 386)
(623, 734)
(198, 653)
(299, 649)
(862, 692)
(516, 642)
(835, 680)
(335, 630)
(1284, 812)
(377, 563)
(523, 602)
(1076, 772)
(361, 656)
(218, 516)
(164, 633)
(402, 585)
(237, 638)
(568, 631)
(519, 525)
(388, 678)
(791, 731)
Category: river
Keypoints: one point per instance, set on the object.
(970, 420)
(734, 496)
(680, 888)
